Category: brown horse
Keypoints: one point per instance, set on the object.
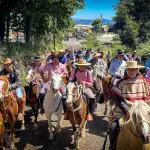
(69, 66)
(76, 110)
(8, 105)
(33, 93)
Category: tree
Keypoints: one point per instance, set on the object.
(97, 25)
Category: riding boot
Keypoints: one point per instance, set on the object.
(91, 109)
(41, 97)
(113, 133)
(64, 108)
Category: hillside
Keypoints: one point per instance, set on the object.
(89, 21)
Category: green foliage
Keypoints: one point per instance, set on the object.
(132, 22)
(97, 25)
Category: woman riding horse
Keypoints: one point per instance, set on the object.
(132, 87)
(82, 76)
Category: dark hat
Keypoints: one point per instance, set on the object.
(88, 52)
(36, 58)
(120, 52)
(55, 56)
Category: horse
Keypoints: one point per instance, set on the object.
(52, 102)
(8, 105)
(135, 132)
(69, 66)
(76, 110)
(33, 93)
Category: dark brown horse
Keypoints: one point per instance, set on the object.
(8, 105)
(76, 110)
(69, 66)
(33, 93)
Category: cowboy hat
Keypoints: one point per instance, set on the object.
(96, 55)
(134, 51)
(7, 61)
(36, 58)
(82, 62)
(133, 64)
(120, 52)
(61, 51)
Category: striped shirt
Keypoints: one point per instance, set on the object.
(82, 76)
(58, 70)
(133, 89)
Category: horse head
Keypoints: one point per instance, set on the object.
(72, 92)
(30, 76)
(4, 87)
(56, 80)
(140, 117)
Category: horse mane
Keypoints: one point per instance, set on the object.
(138, 108)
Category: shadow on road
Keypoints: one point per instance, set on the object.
(98, 126)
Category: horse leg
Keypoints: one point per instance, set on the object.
(51, 136)
(83, 129)
(12, 130)
(59, 116)
(35, 111)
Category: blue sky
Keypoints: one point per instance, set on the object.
(94, 8)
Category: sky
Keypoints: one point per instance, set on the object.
(94, 8)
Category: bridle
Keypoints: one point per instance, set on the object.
(80, 90)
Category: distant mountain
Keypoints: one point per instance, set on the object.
(89, 21)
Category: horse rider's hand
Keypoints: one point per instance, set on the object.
(127, 116)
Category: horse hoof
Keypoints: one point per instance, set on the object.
(105, 112)
(58, 130)
(23, 128)
(12, 146)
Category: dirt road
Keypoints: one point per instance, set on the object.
(30, 139)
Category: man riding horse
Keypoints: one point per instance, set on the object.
(132, 87)
(117, 69)
(16, 85)
(82, 76)
(57, 68)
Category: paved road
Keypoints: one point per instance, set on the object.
(38, 139)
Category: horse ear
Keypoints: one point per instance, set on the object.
(128, 103)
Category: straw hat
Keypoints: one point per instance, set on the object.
(96, 55)
(61, 51)
(133, 64)
(7, 61)
(82, 62)
(134, 51)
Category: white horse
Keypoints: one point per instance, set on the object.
(52, 102)
(135, 134)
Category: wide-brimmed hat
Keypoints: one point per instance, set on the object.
(82, 62)
(134, 51)
(96, 55)
(36, 58)
(61, 51)
(120, 52)
(55, 56)
(133, 64)
(7, 61)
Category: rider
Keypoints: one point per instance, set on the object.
(117, 67)
(132, 87)
(62, 57)
(15, 84)
(56, 67)
(87, 56)
(49, 58)
(82, 76)
(71, 56)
